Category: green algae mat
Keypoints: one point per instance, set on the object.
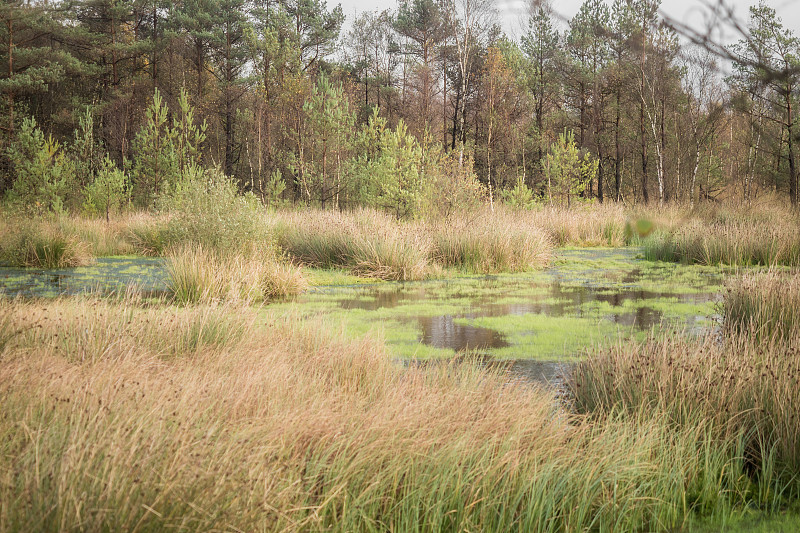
(587, 297)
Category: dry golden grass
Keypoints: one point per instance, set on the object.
(741, 387)
(41, 244)
(367, 242)
(764, 304)
(197, 275)
(733, 235)
(489, 242)
(593, 225)
(115, 416)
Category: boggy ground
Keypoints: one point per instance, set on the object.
(587, 296)
(201, 412)
(130, 414)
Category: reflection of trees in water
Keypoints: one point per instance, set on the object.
(442, 332)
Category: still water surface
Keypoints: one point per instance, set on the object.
(536, 323)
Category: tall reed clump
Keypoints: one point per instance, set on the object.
(766, 304)
(197, 275)
(740, 393)
(366, 242)
(103, 238)
(732, 243)
(594, 225)
(85, 329)
(111, 421)
(489, 243)
(41, 244)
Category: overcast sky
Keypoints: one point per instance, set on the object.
(512, 14)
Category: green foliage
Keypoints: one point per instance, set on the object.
(87, 152)
(568, 172)
(107, 192)
(450, 186)
(156, 166)
(329, 123)
(189, 137)
(42, 172)
(166, 155)
(520, 196)
(208, 210)
(273, 189)
(389, 173)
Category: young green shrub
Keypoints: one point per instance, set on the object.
(568, 171)
(521, 196)
(208, 210)
(107, 192)
(41, 170)
(155, 168)
(388, 175)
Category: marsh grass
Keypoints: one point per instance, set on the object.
(147, 235)
(197, 275)
(366, 242)
(489, 243)
(41, 244)
(372, 244)
(726, 238)
(764, 304)
(592, 225)
(742, 391)
(103, 238)
(87, 328)
(111, 420)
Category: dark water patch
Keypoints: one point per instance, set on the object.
(549, 373)
(443, 332)
(108, 274)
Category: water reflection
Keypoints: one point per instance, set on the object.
(442, 332)
(607, 285)
(548, 373)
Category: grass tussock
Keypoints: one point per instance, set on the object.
(489, 243)
(723, 235)
(283, 427)
(103, 238)
(765, 304)
(88, 329)
(367, 243)
(741, 393)
(197, 275)
(41, 244)
(593, 225)
(371, 244)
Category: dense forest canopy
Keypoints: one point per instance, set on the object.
(424, 106)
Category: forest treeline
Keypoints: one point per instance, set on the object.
(428, 106)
